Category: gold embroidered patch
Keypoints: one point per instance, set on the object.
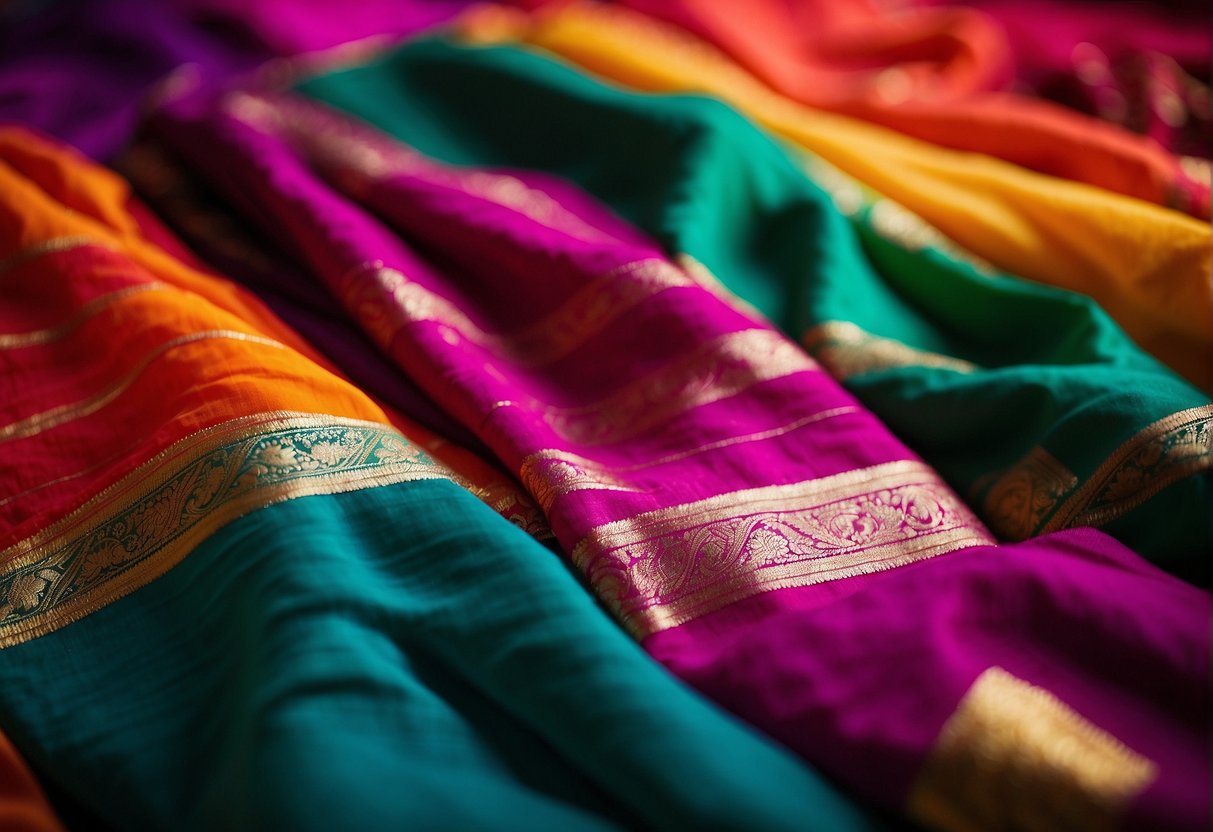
(146, 523)
(1015, 757)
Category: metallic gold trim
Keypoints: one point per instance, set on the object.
(389, 301)
(665, 567)
(703, 276)
(143, 525)
(1014, 756)
(48, 335)
(109, 458)
(846, 350)
(56, 416)
(717, 370)
(44, 247)
(1156, 456)
(349, 145)
(574, 472)
(889, 219)
(1026, 494)
(548, 477)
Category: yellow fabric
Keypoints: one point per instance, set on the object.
(1148, 266)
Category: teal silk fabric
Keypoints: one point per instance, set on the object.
(404, 658)
(1029, 400)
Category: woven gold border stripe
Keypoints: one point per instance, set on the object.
(49, 335)
(1014, 756)
(666, 567)
(1156, 456)
(143, 525)
(61, 415)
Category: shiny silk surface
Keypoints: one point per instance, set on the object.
(1029, 399)
(723, 495)
(1146, 265)
(936, 74)
(1144, 66)
(234, 595)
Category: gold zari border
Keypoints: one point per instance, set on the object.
(1026, 494)
(385, 301)
(719, 369)
(1168, 450)
(62, 414)
(553, 472)
(1039, 494)
(1014, 756)
(668, 566)
(846, 350)
(143, 525)
(337, 140)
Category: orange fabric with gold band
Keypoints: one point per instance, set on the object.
(196, 350)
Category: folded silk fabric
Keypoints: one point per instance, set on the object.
(938, 74)
(1146, 265)
(762, 533)
(82, 71)
(78, 70)
(1146, 66)
(1030, 401)
(236, 593)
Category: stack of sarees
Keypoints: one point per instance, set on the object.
(667, 414)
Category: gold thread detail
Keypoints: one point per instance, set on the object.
(137, 529)
(1014, 756)
(1156, 456)
(717, 370)
(49, 335)
(56, 416)
(1026, 494)
(707, 280)
(384, 301)
(45, 247)
(665, 567)
(339, 140)
(846, 350)
(552, 473)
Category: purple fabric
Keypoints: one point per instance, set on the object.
(1075, 613)
(290, 27)
(682, 450)
(1143, 65)
(80, 71)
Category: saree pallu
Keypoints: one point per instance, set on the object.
(1029, 399)
(234, 595)
(1146, 265)
(762, 534)
(934, 74)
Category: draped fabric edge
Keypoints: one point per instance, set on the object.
(146, 523)
(662, 568)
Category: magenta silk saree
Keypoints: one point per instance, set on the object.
(763, 535)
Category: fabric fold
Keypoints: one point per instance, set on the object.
(716, 487)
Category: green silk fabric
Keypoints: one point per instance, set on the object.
(1047, 374)
(393, 658)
